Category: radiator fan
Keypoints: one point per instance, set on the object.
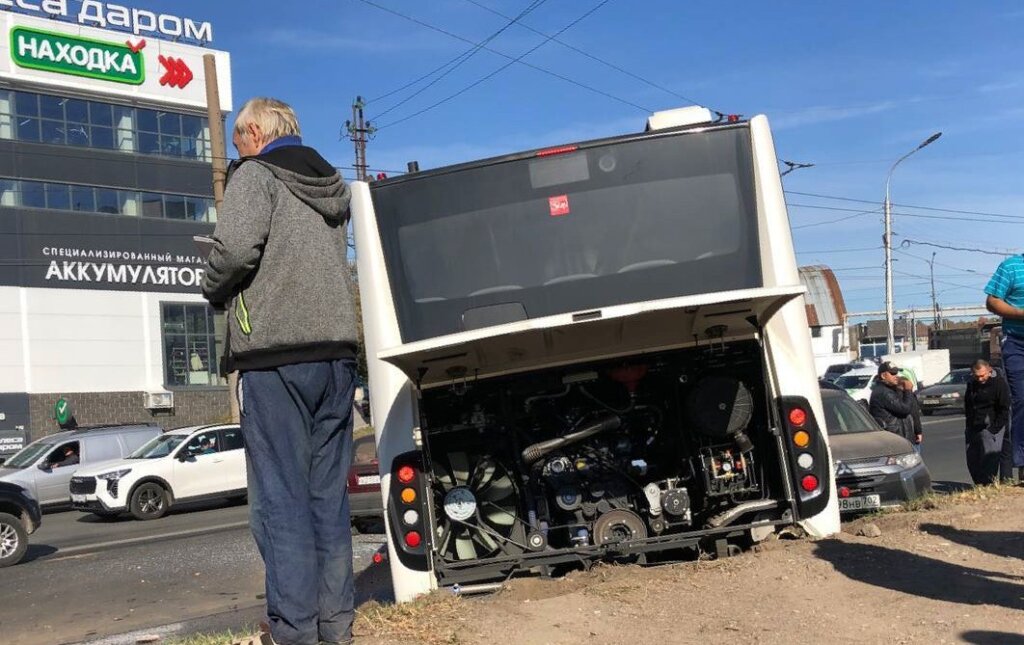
(476, 506)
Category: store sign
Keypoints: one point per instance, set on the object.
(14, 415)
(108, 15)
(65, 54)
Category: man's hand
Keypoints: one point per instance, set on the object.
(919, 439)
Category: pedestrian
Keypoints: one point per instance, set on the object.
(986, 416)
(890, 402)
(279, 266)
(913, 422)
(1005, 291)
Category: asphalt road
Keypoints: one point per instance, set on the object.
(943, 451)
(86, 579)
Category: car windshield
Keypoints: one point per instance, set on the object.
(956, 377)
(843, 415)
(157, 447)
(29, 454)
(853, 382)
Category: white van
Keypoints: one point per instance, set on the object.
(46, 465)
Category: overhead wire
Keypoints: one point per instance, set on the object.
(894, 205)
(499, 70)
(459, 60)
(504, 55)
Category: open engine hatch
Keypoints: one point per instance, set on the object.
(588, 335)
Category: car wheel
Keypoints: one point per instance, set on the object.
(149, 502)
(13, 540)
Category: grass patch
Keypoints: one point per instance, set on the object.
(220, 638)
(365, 431)
(933, 501)
(431, 620)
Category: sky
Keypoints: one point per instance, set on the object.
(849, 87)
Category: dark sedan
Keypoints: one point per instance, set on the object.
(365, 501)
(947, 394)
(874, 468)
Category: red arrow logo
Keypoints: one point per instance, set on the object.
(136, 47)
(178, 74)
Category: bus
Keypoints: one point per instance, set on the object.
(595, 351)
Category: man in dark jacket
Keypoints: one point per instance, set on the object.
(891, 404)
(987, 415)
(279, 266)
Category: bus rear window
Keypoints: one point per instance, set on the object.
(623, 221)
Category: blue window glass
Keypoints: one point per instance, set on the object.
(83, 199)
(152, 205)
(33, 194)
(146, 120)
(58, 197)
(77, 111)
(28, 129)
(101, 137)
(100, 114)
(174, 207)
(170, 123)
(107, 201)
(26, 103)
(147, 143)
(53, 132)
(51, 107)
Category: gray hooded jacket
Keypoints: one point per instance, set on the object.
(280, 263)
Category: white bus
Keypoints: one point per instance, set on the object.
(592, 352)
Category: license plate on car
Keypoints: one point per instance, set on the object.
(368, 480)
(861, 503)
(931, 401)
(78, 499)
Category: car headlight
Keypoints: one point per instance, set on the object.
(951, 395)
(908, 460)
(114, 476)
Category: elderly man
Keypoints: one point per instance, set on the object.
(278, 265)
(987, 415)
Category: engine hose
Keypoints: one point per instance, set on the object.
(731, 515)
(536, 452)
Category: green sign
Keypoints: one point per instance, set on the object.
(62, 411)
(77, 56)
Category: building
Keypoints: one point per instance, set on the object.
(105, 177)
(826, 315)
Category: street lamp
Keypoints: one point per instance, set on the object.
(887, 242)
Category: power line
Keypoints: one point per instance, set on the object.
(832, 221)
(908, 242)
(923, 208)
(457, 62)
(902, 214)
(589, 55)
(500, 69)
(863, 248)
(503, 55)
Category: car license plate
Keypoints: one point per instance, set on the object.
(861, 503)
(78, 499)
(367, 480)
(931, 401)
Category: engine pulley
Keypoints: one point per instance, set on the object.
(617, 526)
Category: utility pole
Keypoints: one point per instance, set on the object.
(887, 243)
(935, 303)
(359, 131)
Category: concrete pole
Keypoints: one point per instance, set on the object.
(219, 154)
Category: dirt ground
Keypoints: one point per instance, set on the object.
(953, 573)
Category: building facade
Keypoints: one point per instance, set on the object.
(826, 315)
(105, 177)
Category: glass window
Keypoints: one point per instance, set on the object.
(51, 107)
(57, 197)
(78, 134)
(77, 111)
(100, 114)
(174, 207)
(192, 126)
(232, 438)
(28, 129)
(146, 120)
(170, 146)
(33, 194)
(152, 205)
(205, 443)
(148, 143)
(53, 132)
(192, 345)
(170, 123)
(102, 137)
(83, 198)
(106, 201)
(26, 104)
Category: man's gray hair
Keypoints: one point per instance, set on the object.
(980, 364)
(274, 118)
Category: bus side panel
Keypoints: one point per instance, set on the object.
(788, 331)
(392, 398)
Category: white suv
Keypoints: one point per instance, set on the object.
(187, 464)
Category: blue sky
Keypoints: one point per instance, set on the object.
(847, 86)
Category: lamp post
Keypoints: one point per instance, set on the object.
(887, 243)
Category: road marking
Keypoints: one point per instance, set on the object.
(101, 546)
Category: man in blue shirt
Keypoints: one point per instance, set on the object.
(1006, 299)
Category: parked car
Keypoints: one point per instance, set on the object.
(364, 496)
(186, 464)
(947, 394)
(45, 466)
(835, 371)
(858, 382)
(874, 468)
(19, 516)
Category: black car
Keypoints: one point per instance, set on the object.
(947, 394)
(874, 468)
(365, 502)
(19, 516)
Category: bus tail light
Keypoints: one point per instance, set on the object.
(407, 518)
(807, 455)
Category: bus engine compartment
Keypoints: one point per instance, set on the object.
(636, 459)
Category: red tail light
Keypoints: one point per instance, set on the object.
(844, 492)
(809, 483)
(556, 151)
(406, 474)
(413, 539)
(797, 417)
(378, 558)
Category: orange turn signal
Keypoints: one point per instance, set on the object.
(801, 438)
(408, 495)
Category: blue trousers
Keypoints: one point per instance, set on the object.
(297, 426)
(1013, 369)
